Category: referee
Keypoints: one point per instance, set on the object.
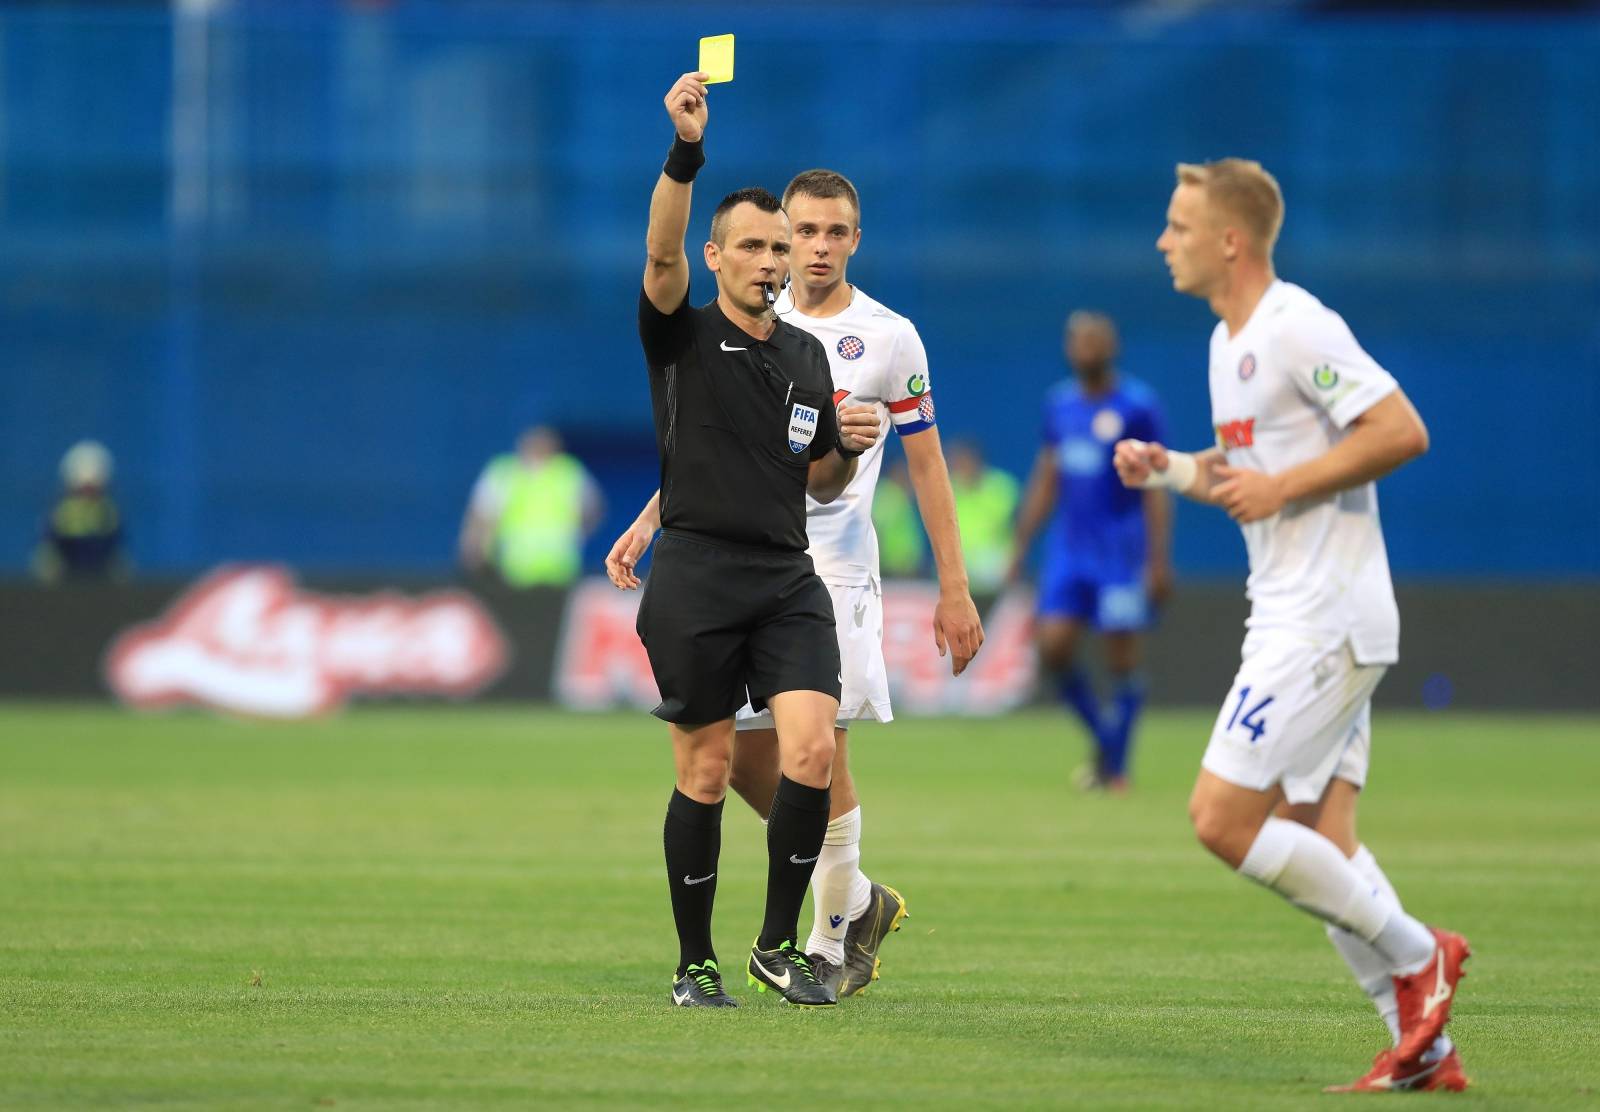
(745, 426)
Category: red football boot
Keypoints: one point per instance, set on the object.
(1446, 1075)
(1425, 997)
(1386, 1076)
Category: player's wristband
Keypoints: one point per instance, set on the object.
(1179, 475)
(684, 160)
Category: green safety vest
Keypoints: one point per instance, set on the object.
(79, 515)
(539, 538)
(985, 509)
(899, 530)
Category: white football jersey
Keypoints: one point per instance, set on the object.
(1282, 392)
(876, 357)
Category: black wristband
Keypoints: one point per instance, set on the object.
(684, 160)
(845, 453)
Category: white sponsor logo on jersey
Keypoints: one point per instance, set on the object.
(1106, 426)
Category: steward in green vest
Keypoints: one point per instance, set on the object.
(83, 536)
(986, 501)
(530, 513)
(894, 515)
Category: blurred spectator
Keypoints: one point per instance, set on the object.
(83, 534)
(530, 512)
(986, 499)
(901, 545)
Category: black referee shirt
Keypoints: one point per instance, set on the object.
(738, 422)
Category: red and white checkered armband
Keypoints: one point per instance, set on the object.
(912, 415)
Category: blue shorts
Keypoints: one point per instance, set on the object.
(1111, 606)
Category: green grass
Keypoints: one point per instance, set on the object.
(408, 908)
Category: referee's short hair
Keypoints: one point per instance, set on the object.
(824, 185)
(753, 195)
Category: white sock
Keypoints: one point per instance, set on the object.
(1309, 871)
(833, 882)
(1371, 971)
(860, 896)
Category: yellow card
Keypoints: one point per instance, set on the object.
(716, 58)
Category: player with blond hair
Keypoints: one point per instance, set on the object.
(1305, 423)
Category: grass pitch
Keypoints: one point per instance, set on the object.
(437, 907)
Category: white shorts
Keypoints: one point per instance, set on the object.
(1299, 714)
(858, 613)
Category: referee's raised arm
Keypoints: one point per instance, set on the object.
(666, 268)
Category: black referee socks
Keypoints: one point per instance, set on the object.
(795, 829)
(693, 839)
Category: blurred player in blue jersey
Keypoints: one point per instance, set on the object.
(1108, 549)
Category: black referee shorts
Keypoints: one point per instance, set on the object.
(721, 622)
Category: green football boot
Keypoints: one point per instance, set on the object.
(701, 987)
(789, 971)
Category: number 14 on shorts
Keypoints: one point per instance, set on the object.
(1250, 719)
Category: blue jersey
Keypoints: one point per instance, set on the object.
(1098, 528)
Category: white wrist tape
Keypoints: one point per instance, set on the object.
(1179, 475)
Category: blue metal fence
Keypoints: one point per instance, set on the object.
(305, 267)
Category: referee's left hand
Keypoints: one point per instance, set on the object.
(625, 555)
(858, 427)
